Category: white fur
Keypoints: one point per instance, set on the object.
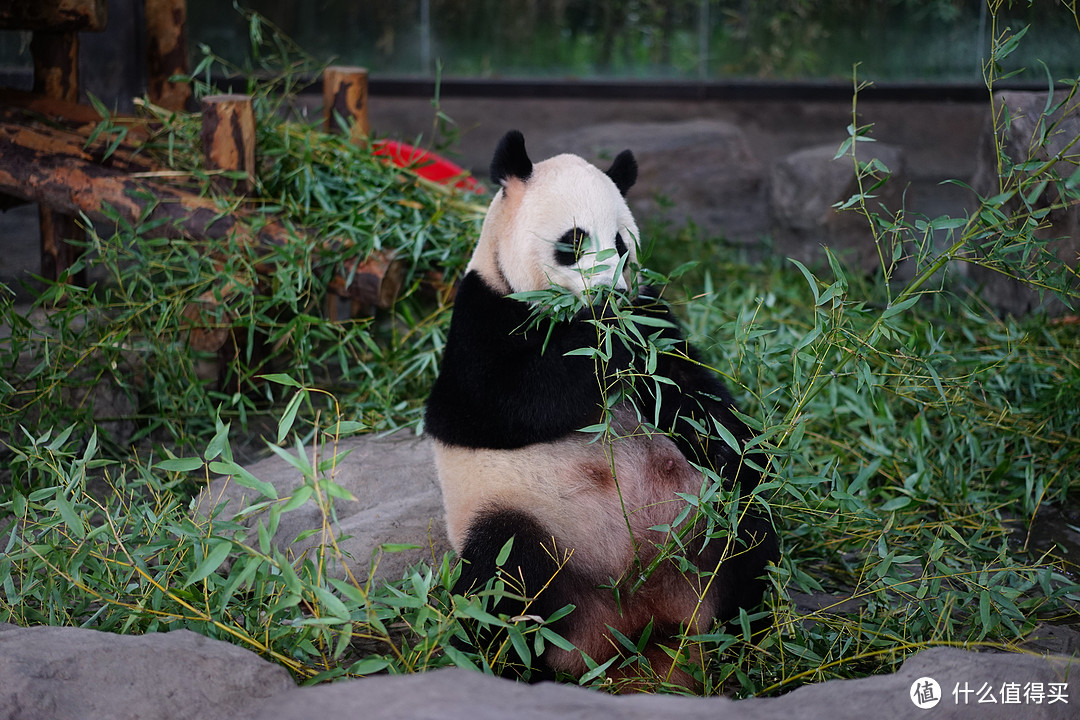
(579, 491)
(516, 250)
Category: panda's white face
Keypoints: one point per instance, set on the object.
(566, 223)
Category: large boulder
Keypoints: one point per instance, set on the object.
(704, 168)
(395, 499)
(63, 673)
(1032, 135)
(804, 188)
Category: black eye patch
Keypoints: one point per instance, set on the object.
(570, 246)
(620, 246)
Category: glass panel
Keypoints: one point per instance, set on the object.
(894, 40)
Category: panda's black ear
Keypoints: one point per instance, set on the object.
(623, 171)
(511, 160)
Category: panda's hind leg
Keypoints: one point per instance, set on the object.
(536, 581)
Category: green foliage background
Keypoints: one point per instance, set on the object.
(897, 40)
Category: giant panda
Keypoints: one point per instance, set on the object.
(505, 413)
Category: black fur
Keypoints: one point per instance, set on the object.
(620, 246)
(741, 577)
(500, 388)
(511, 160)
(700, 397)
(530, 565)
(496, 389)
(570, 247)
(623, 171)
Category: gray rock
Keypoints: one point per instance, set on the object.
(396, 500)
(955, 671)
(60, 673)
(1053, 640)
(448, 694)
(1020, 144)
(705, 168)
(803, 188)
(453, 693)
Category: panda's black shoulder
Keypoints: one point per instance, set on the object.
(502, 385)
(483, 314)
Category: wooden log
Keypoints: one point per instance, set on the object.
(72, 144)
(345, 94)
(65, 126)
(376, 280)
(55, 16)
(56, 75)
(57, 253)
(167, 53)
(31, 107)
(208, 326)
(228, 143)
(56, 64)
(73, 185)
(228, 140)
(105, 195)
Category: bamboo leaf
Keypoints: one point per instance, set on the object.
(219, 551)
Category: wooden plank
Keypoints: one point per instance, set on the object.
(54, 15)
